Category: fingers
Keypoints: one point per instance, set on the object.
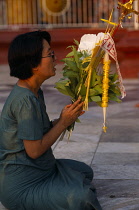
(69, 105)
(76, 103)
(79, 113)
(79, 107)
(82, 112)
(75, 106)
(71, 112)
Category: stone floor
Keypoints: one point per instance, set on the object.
(114, 155)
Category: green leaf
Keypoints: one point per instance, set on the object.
(84, 65)
(79, 85)
(69, 46)
(76, 42)
(99, 78)
(64, 88)
(65, 67)
(113, 77)
(92, 92)
(113, 97)
(73, 84)
(77, 120)
(71, 64)
(98, 88)
(80, 54)
(76, 57)
(83, 90)
(70, 74)
(99, 103)
(70, 54)
(115, 89)
(96, 98)
(93, 78)
(64, 60)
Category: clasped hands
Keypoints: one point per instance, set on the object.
(71, 112)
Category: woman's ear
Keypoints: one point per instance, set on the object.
(35, 69)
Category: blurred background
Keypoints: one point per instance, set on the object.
(67, 20)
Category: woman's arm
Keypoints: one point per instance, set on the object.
(68, 115)
(55, 121)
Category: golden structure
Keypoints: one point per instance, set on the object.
(105, 86)
(34, 11)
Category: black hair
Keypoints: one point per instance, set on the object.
(25, 53)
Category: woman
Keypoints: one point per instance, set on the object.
(30, 177)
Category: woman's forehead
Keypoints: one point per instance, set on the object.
(46, 46)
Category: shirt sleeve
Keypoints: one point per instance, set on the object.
(29, 119)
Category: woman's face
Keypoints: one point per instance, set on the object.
(46, 68)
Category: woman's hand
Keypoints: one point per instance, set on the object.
(71, 112)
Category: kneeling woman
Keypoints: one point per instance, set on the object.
(30, 176)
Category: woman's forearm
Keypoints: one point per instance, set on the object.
(68, 115)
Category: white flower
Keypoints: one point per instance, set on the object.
(100, 37)
(89, 41)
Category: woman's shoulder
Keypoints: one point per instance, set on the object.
(19, 94)
(25, 92)
(18, 97)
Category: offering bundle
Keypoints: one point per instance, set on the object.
(87, 73)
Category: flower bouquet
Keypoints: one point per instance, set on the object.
(87, 73)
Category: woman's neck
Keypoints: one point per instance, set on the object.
(30, 84)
